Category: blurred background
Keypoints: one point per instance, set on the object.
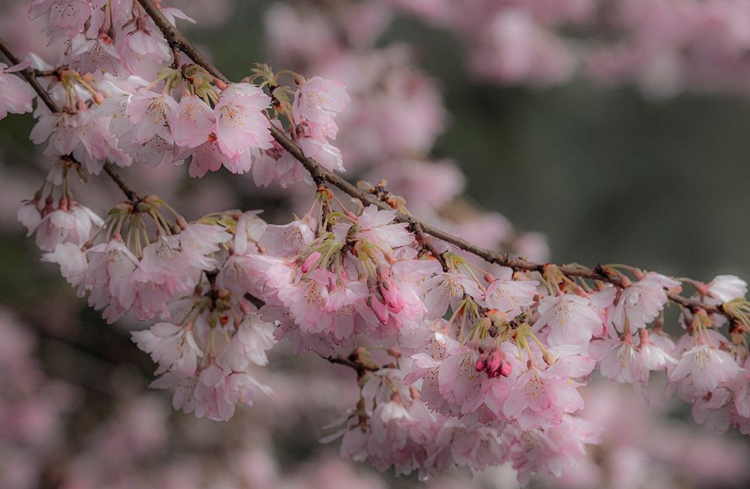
(615, 170)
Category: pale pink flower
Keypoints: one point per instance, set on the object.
(549, 450)
(287, 240)
(249, 343)
(30, 216)
(265, 276)
(161, 272)
(510, 296)
(376, 226)
(85, 135)
(15, 94)
(205, 158)
(713, 411)
(243, 388)
(65, 18)
(317, 102)
(725, 288)
(570, 320)
(210, 395)
(153, 152)
(110, 266)
(404, 307)
(324, 153)
(307, 300)
(73, 224)
(653, 357)
(172, 14)
(278, 164)
(143, 49)
(467, 389)
(250, 228)
(217, 392)
(72, 261)
(460, 384)
(171, 346)
(344, 318)
(209, 157)
(642, 302)
(198, 241)
(240, 122)
(241, 163)
(447, 289)
(162, 254)
(539, 398)
(702, 369)
(89, 54)
(147, 112)
(400, 432)
(191, 122)
(622, 363)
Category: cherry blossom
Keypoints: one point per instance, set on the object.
(15, 95)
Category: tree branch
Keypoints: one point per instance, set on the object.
(317, 172)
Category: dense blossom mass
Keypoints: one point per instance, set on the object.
(464, 357)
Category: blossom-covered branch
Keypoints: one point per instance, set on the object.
(465, 357)
(319, 173)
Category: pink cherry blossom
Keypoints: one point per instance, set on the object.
(510, 296)
(570, 320)
(73, 223)
(198, 241)
(317, 102)
(447, 289)
(640, 303)
(65, 17)
(191, 121)
(147, 112)
(171, 346)
(539, 398)
(701, 370)
(550, 450)
(725, 288)
(249, 343)
(240, 123)
(15, 94)
(72, 261)
(622, 363)
(324, 153)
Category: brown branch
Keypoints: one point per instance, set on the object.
(358, 360)
(176, 39)
(29, 74)
(109, 168)
(422, 239)
(319, 173)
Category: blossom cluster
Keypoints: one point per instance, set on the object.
(138, 440)
(460, 362)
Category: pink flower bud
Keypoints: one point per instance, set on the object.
(310, 261)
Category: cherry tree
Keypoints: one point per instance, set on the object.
(460, 347)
